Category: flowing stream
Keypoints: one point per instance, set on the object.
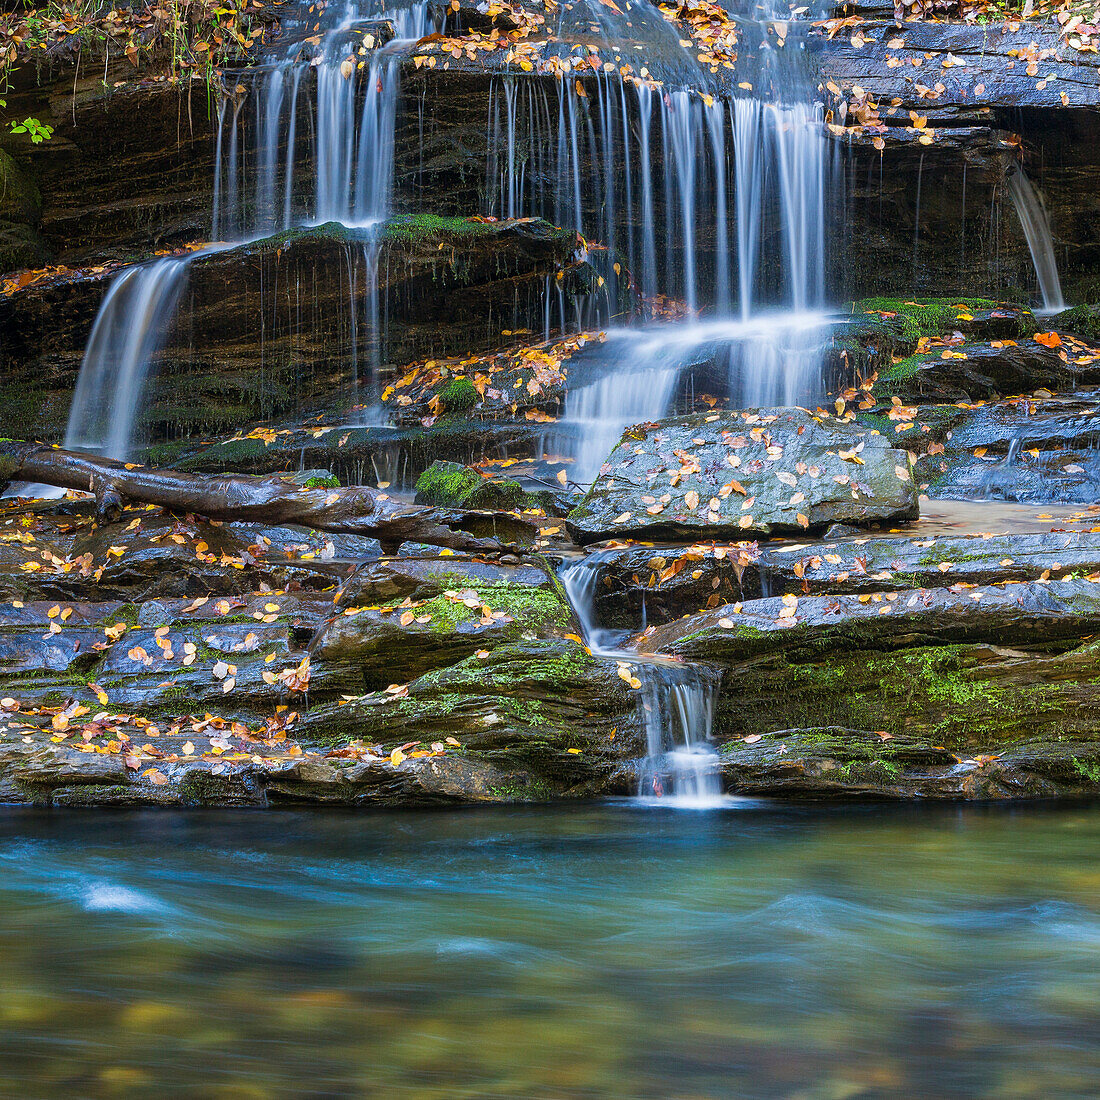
(772, 952)
(675, 703)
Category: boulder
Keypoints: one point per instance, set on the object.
(730, 475)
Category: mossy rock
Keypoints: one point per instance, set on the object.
(1080, 320)
(20, 200)
(912, 318)
(458, 395)
(450, 485)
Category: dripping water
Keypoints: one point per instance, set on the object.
(675, 705)
(1033, 219)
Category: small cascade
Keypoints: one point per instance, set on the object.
(350, 107)
(323, 92)
(1033, 219)
(1000, 477)
(768, 360)
(676, 704)
(130, 328)
(596, 414)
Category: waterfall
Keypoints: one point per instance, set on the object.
(1033, 219)
(683, 187)
(351, 126)
(675, 705)
(129, 330)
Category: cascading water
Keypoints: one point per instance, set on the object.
(1033, 219)
(666, 178)
(675, 703)
(345, 111)
(351, 127)
(772, 358)
(127, 333)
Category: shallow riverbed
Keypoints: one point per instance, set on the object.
(587, 951)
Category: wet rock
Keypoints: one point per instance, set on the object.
(1026, 612)
(922, 204)
(547, 706)
(962, 692)
(835, 762)
(1041, 448)
(635, 586)
(356, 454)
(162, 555)
(424, 573)
(639, 586)
(972, 372)
(398, 642)
(445, 285)
(735, 474)
(867, 565)
(130, 166)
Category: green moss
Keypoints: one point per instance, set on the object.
(322, 483)
(1090, 769)
(531, 608)
(934, 692)
(913, 318)
(418, 228)
(451, 485)
(458, 395)
(869, 771)
(905, 370)
(1081, 320)
(531, 790)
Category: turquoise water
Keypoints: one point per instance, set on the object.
(585, 951)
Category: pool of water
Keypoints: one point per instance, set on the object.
(586, 951)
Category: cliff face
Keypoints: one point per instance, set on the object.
(551, 187)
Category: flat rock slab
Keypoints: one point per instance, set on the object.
(869, 565)
(835, 762)
(636, 585)
(1015, 613)
(738, 474)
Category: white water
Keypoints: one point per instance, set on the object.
(351, 170)
(128, 331)
(1033, 219)
(675, 704)
(770, 359)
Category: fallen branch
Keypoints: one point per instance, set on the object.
(357, 510)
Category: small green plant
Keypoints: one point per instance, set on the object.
(37, 131)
